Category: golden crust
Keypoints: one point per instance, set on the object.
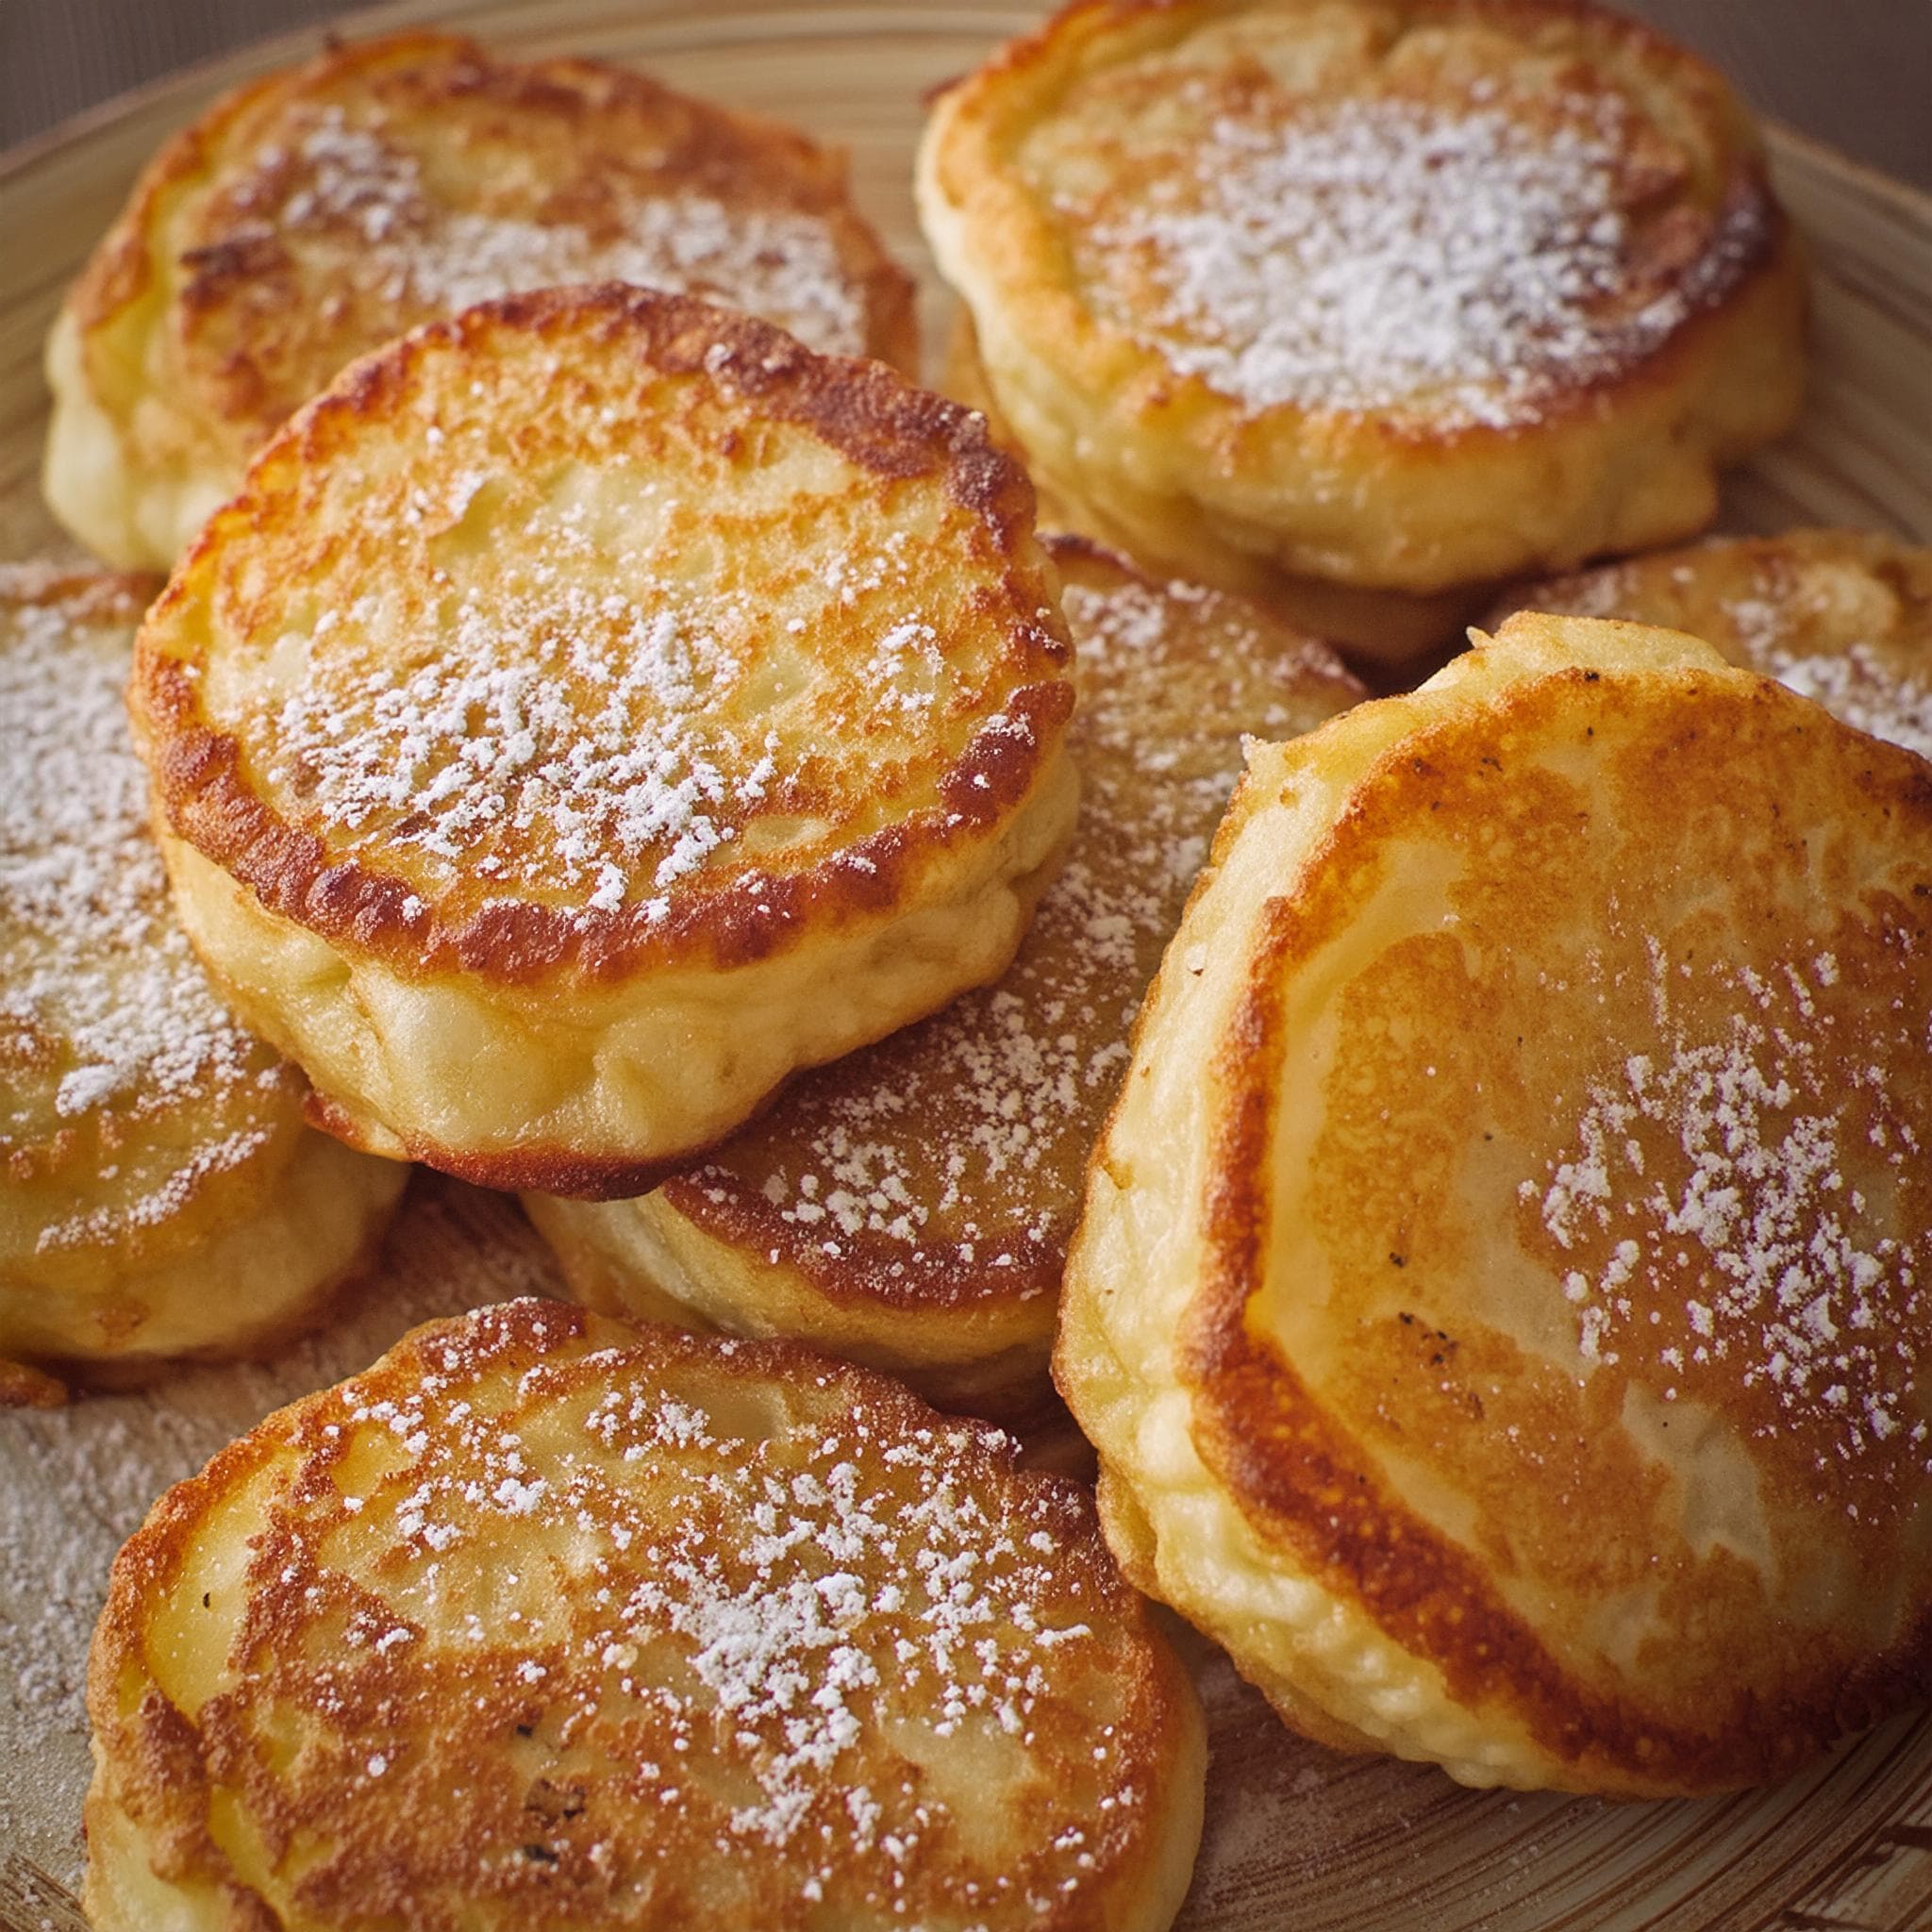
(1509, 1347)
(316, 213)
(146, 1140)
(910, 1205)
(1566, 299)
(1843, 617)
(610, 690)
(547, 1620)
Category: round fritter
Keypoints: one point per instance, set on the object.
(547, 1621)
(1500, 1295)
(159, 1195)
(596, 707)
(910, 1205)
(1404, 294)
(317, 213)
(1843, 617)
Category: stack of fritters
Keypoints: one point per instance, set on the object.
(621, 745)
(910, 1205)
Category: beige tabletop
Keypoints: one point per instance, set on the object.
(1857, 73)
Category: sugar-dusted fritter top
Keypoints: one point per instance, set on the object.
(549, 1622)
(1514, 1240)
(326, 209)
(1453, 213)
(595, 623)
(1843, 617)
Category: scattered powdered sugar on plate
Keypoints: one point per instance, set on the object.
(100, 993)
(414, 247)
(958, 1143)
(1737, 1199)
(1387, 253)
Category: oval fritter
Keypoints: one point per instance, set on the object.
(548, 1621)
(1499, 1306)
(910, 1205)
(1403, 293)
(1843, 617)
(596, 708)
(149, 1146)
(321, 211)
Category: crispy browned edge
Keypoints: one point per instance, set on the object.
(533, 1167)
(1748, 216)
(157, 1754)
(1299, 1476)
(747, 1220)
(877, 419)
(122, 268)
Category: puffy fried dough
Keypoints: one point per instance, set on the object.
(1401, 294)
(314, 215)
(596, 709)
(1500, 1302)
(549, 1623)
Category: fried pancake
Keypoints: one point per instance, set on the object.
(321, 211)
(549, 1622)
(149, 1147)
(1500, 1293)
(596, 708)
(1843, 617)
(1404, 294)
(911, 1206)
(1384, 627)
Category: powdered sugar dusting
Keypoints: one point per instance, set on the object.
(806, 1630)
(1386, 253)
(416, 249)
(954, 1149)
(1737, 1202)
(103, 1005)
(588, 726)
(1840, 618)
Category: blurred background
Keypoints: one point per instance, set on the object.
(1857, 73)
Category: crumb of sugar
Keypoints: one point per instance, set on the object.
(1376, 254)
(92, 967)
(412, 247)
